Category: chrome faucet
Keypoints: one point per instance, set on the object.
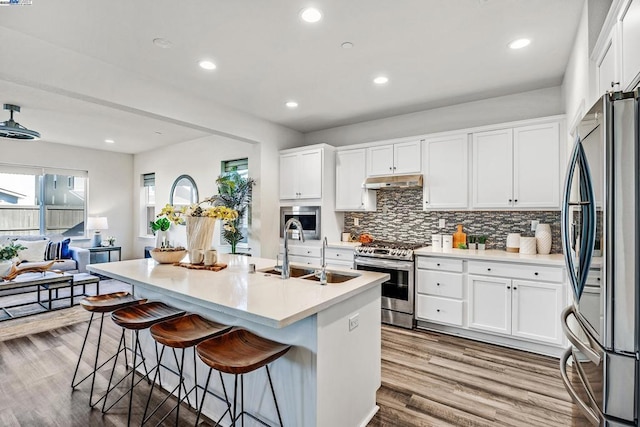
(323, 271)
(286, 270)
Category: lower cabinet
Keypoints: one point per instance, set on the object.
(440, 291)
(303, 254)
(339, 257)
(520, 308)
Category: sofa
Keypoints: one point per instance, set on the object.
(71, 259)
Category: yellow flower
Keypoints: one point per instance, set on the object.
(218, 212)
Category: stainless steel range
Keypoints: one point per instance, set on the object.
(395, 259)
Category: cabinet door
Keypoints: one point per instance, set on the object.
(406, 157)
(446, 168)
(536, 310)
(380, 160)
(490, 304)
(492, 169)
(630, 29)
(351, 171)
(536, 166)
(608, 79)
(288, 176)
(310, 174)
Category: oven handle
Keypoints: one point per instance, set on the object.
(588, 412)
(577, 342)
(394, 265)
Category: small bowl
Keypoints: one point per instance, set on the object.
(167, 257)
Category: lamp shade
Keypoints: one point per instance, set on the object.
(97, 223)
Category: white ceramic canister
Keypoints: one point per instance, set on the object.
(528, 245)
(543, 238)
(436, 241)
(513, 242)
(447, 241)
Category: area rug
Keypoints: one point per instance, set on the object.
(16, 328)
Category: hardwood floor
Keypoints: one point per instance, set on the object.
(429, 379)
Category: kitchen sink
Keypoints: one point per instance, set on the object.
(332, 277)
(312, 274)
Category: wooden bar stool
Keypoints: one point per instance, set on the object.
(239, 352)
(183, 332)
(135, 318)
(101, 304)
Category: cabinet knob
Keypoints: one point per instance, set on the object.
(426, 202)
(510, 200)
(598, 279)
(508, 287)
(438, 264)
(437, 284)
(536, 273)
(516, 200)
(614, 84)
(438, 310)
(515, 289)
(394, 168)
(390, 168)
(308, 252)
(488, 269)
(337, 254)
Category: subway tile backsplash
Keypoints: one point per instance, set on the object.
(400, 217)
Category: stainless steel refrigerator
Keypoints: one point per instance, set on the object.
(600, 230)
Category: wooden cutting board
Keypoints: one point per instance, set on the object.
(214, 267)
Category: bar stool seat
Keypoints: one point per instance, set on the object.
(136, 318)
(239, 352)
(182, 332)
(102, 304)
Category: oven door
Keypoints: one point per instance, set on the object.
(397, 292)
(601, 383)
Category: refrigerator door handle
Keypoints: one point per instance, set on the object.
(593, 356)
(567, 246)
(591, 415)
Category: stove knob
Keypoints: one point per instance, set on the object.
(405, 252)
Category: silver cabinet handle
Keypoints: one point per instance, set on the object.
(390, 168)
(588, 412)
(573, 339)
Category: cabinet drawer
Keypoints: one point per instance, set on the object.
(444, 264)
(303, 260)
(313, 251)
(594, 277)
(440, 283)
(440, 310)
(340, 254)
(517, 271)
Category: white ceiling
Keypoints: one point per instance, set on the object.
(435, 53)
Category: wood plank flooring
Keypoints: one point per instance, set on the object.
(430, 379)
(427, 380)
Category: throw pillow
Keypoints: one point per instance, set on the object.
(34, 249)
(58, 250)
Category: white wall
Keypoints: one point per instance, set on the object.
(526, 105)
(110, 184)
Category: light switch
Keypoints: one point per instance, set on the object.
(534, 224)
(441, 223)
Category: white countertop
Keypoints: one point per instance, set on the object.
(261, 298)
(495, 255)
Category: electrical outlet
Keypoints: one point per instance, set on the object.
(356, 221)
(385, 210)
(441, 223)
(534, 224)
(354, 321)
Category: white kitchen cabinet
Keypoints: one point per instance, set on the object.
(351, 171)
(490, 304)
(607, 66)
(339, 257)
(440, 291)
(517, 168)
(445, 174)
(301, 175)
(398, 158)
(303, 254)
(630, 34)
(536, 308)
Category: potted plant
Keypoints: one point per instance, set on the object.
(482, 240)
(472, 242)
(7, 255)
(234, 192)
(159, 228)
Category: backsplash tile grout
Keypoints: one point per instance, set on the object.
(400, 217)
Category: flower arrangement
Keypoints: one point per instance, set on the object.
(10, 251)
(178, 215)
(234, 192)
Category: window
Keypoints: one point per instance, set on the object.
(42, 201)
(240, 166)
(149, 201)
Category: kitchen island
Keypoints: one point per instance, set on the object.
(331, 374)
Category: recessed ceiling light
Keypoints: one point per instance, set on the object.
(291, 104)
(162, 43)
(380, 80)
(311, 14)
(347, 45)
(207, 65)
(519, 44)
(109, 141)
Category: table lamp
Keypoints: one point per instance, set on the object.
(97, 224)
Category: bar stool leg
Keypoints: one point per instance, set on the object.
(133, 375)
(86, 335)
(95, 363)
(113, 370)
(273, 393)
(226, 398)
(156, 375)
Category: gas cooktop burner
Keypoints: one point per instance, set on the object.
(389, 250)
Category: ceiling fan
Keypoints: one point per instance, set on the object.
(13, 130)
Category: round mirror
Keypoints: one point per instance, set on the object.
(184, 191)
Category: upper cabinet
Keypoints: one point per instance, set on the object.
(517, 168)
(445, 172)
(351, 171)
(398, 158)
(630, 34)
(301, 174)
(607, 71)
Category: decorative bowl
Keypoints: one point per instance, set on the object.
(167, 257)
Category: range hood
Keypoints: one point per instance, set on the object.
(393, 181)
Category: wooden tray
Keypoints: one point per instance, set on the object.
(214, 267)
